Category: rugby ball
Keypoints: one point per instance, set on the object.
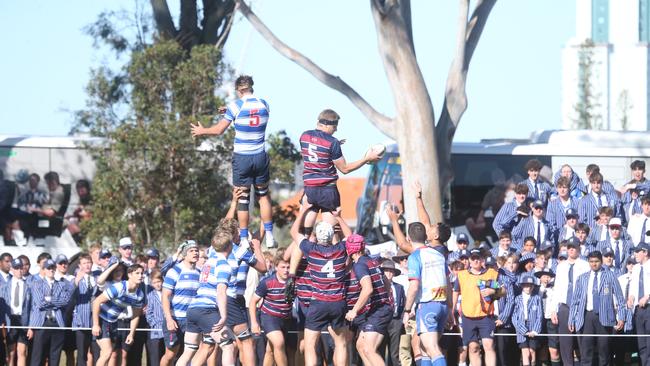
(379, 149)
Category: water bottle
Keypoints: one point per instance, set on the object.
(482, 285)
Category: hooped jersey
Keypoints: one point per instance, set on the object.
(327, 270)
(319, 150)
(369, 267)
(249, 116)
(271, 289)
(303, 282)
(215, 271)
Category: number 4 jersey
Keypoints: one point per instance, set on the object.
(319, 150)
(250, 116)
(327, 268)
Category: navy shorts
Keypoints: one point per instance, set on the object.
(324, 198)
(529, 343)
(271, 323)
(237, 311)
(173, 339)
(475, 329)
(201, 320)
(250, 169)
(109, 330)
(552, 341)
(377, 319)
(300, 314)
(16, 335)
(322, 313)
(120, 341)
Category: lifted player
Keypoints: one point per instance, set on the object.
(250, 163)
(322, 157)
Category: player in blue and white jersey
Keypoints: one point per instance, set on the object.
(110, 304)
(206, 314)
(241, 259)
(179, 288)
(250, 163)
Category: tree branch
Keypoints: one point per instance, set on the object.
(189, 30)
(384, 123)
(475, 28)
(216, 14)
(163, 18)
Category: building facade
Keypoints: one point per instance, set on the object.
(619, 32)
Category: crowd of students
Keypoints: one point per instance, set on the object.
(570, 259)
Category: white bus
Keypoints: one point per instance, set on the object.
(476, 166)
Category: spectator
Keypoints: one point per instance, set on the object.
(56, 196)
(33, 197)
(527, 319)
(126, 251)
(15, 308)
(395, 327)
(537, 188)
(154, 314)
(5, 267)
(83, 211)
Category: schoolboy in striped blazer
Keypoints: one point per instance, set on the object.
(598, 307)
(154, 315)
(83, 294)
(527, 318)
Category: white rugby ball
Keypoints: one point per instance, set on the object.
(379, 149)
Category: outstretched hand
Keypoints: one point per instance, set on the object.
(197, 129)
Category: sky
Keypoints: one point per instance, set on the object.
(513, 88)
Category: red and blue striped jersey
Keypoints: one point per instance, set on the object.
(353, 289)
(369, 267)
(319, 150)
(271, 289)
(303, 282)
(327, 270)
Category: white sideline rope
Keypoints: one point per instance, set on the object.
(295, 332)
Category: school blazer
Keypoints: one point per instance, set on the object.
(5, 302)
(154, 313)
(527, 227)
(535, 313)
(612, 304)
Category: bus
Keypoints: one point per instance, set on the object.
(483, 170)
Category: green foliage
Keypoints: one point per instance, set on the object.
(587, 106)
(284, 157)
(151, 175)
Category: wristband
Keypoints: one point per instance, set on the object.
(407, 310)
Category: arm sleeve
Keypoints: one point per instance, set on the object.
(414, 266)
(262, 289)
(305, 247)
(170, 279)
(336, 152)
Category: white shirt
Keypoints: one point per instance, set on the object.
(634, 281)
(562, 280)
(569, 232)
(634, 228)
(4, 275)
(603, 198)
(542, 230)
(548, 311)
(525, 297)
(589, 289)
(603, 232)
(20, 283)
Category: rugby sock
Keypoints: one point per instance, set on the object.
(438, 361)
(243, 233)
(268, 227)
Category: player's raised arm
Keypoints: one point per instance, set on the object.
(216, 129)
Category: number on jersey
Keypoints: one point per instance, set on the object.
(311, 150)
(329, 269)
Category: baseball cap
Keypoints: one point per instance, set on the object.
(607, 252)
(126, 242)
(61, 258)
(324, 232)
(152, 253)
(49, 264)
(527, 279)
(462, 237)
(490, 261)
(354, 244)
(105, 253)
(476, 252)
(573, 243)
(615, 221)
(571, 212)
(563, 254)
(640, 247)
(546, 245)
(17, 263)
(464, 253)
(538, 203)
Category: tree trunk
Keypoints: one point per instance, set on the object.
(416, 135)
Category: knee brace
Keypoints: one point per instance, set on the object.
(261, 191)
(227, 337)
(245, 334)
(192, 346)
(244, 199)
